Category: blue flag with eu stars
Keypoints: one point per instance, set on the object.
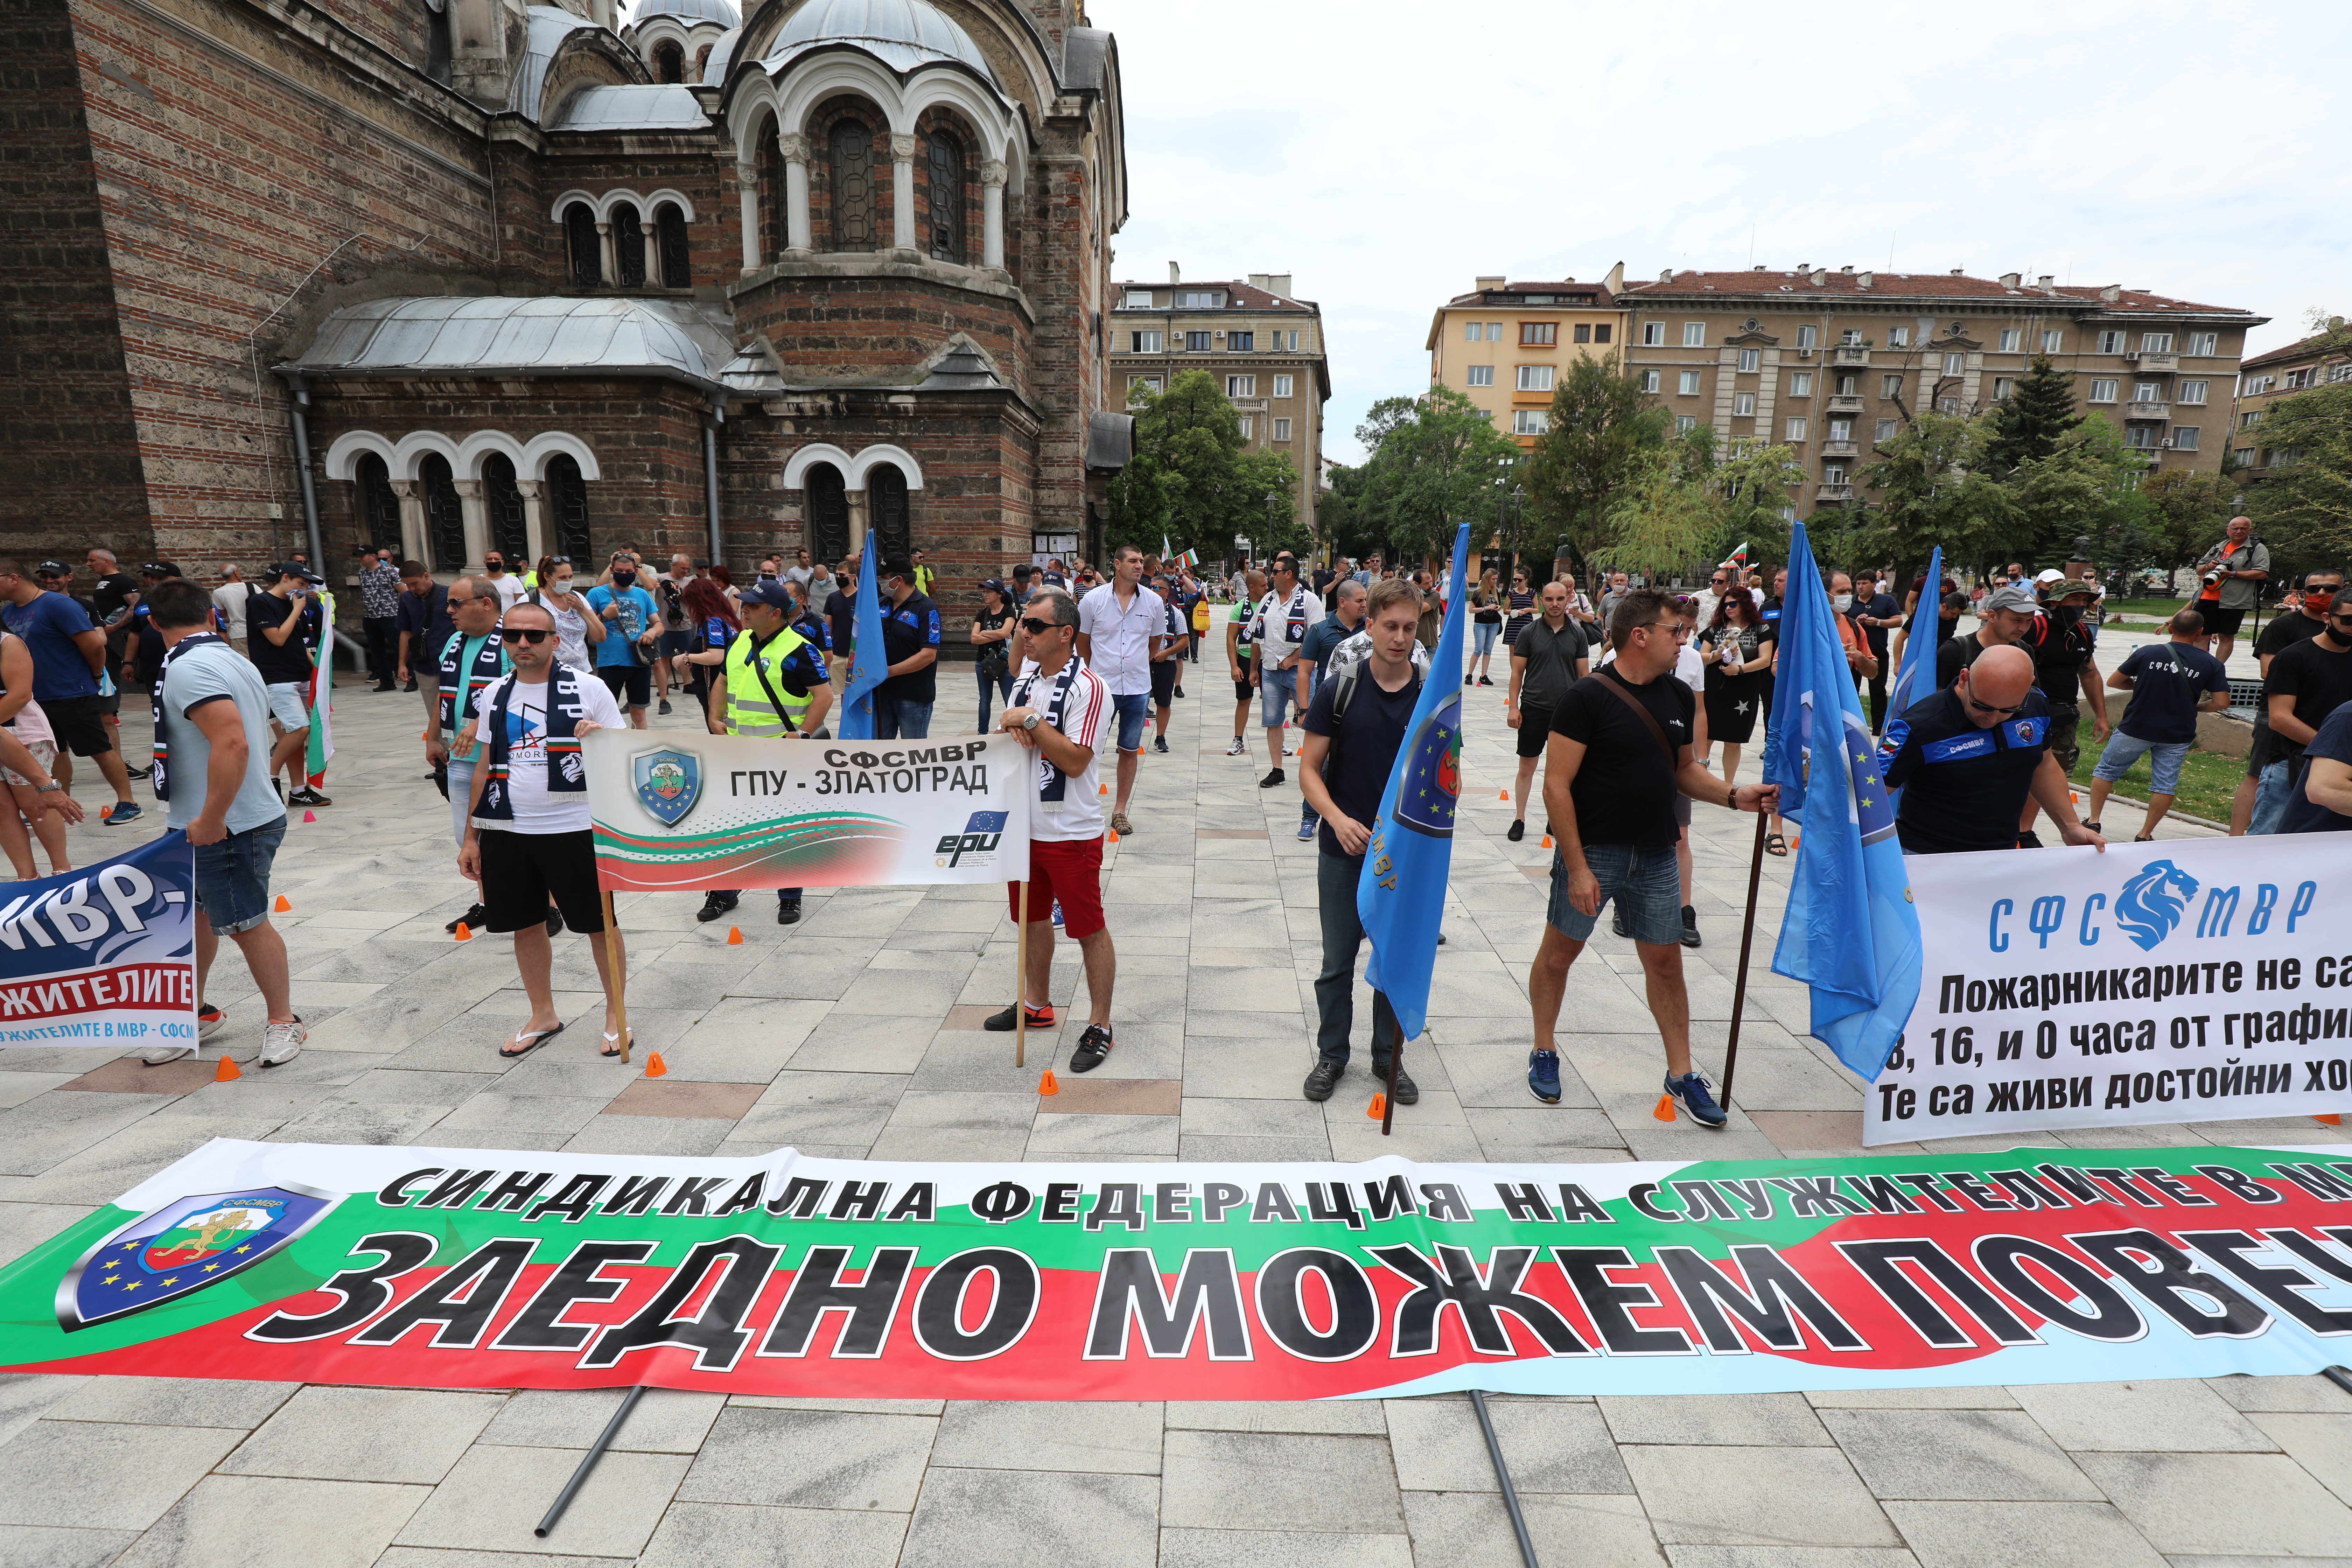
(868, 664)
(1916, 680)
(1401, 894)
(1850, 932)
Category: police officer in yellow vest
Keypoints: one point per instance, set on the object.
(776, 688)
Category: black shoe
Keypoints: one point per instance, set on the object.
(788, 912)
(410, 687)
(1003, 1023)
(383, 686)
(1469, 680)
(1690, 926)
(1407, 1092)
(1519, 830)
(1323, 1077)
(2029, 839)
(1273, 777)
(665, 708)
(473, 918)
(1621, 924)
(306, 795)
(144, 771)
(554, 920)
(1159, 744)
(1179, 692)
(1484, 681)
(1094, 1049)
(714, 905)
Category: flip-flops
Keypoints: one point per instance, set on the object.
(536, 1038)
(621, 1049)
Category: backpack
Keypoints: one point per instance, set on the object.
(1347, 661)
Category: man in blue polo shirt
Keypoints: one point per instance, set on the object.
(911, 642)
(1966, 759)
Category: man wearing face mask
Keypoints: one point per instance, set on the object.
(2064, 667)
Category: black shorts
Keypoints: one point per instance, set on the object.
(2221, 622)
(674, 644)
(1163, 682)
(523, 872)
(1535, 729)
(631, 686)
(2258, 752)
(1244, 690)
(80, 723)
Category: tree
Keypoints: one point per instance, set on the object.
(1192, 481)
(1933, 489)
(1680, 504)
(2186, 512)
(2302, 505)
(1602, 426)
(1435, 459)
(2088, 485)
(2037, 415)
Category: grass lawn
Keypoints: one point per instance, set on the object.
(2208, 782)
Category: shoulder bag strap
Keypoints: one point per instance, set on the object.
(1649, 720)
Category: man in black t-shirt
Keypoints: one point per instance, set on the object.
(1876, 612)
(1343, 770)
(2261, 794)
(840, 608)
(911, 642)
(1620, 751)
(1966, 759)
(2067, 676)
(284, 624)
(2006, 616)
(2306, 684)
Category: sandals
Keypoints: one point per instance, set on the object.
(534, 1039)
(1776, 844)
(621, 1049)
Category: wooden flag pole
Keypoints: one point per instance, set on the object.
(1388, 1102)
(1746, 938)
(620, 983)
(1021, 983)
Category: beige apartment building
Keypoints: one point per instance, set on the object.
(1264, 346)
(1504, 345)
(1826, 361)
(2263, 380)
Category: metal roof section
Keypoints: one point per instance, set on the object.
(754, 373)
(549, 27)
(502, 335)
(905, 35)
(1086, 57)
(961, 367)
(722, 55)
(689, 11)
(631, 107)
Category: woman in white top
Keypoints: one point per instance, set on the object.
(32, 795)
(575, 627)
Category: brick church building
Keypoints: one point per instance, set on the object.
(291, 274)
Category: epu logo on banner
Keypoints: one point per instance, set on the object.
(979, 839)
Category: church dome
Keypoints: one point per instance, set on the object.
(905, 35)
(689, 12)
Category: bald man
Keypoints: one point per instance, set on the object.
(1967, 758)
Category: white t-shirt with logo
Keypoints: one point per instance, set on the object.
(536, 809)
(1281, 625)
(1085, 718)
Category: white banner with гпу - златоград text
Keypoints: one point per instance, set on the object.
(2189, 980)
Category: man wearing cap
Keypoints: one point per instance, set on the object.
(68, 656)
(911, 643)
(286, 621)
(776, 689)
(2232, 573)
(1966, 759)
(1121, 628)
(2005, 617)
(379, 613)
(2063, 665)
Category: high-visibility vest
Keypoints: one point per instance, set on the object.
(749, 709)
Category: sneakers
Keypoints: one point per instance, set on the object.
(209, 1019)
(554, 921)
(121, 812)
(306, 795)
(1323, 1077)
(1621, 924)
(2029, 839)
(665, 708)
(1407, 1092)
(1519, 829)
(1094, 1049)
(714, 904)
(1469, 680)
(1159, 744)
(1306, 832)
(1691, 1092)
(1273, 777)
(1236, 748)
(472, 919)
(1057, 914)
(1484, 681)
(1690, 926)
(1543, 1076)
(163, 1054)
(1119, 824)
(788, 912)
(281, 1043)
(1003, 1023)
(383, 686)
(142, 770)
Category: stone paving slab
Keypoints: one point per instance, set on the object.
(857, 1034)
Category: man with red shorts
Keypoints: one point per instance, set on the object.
(1059, 712)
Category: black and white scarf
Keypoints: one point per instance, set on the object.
(565, 773)
(460, 688)
(161, 780)
(1051, 782)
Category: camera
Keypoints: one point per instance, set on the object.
(2210, 578)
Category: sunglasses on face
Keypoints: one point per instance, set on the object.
(1988, 708)
(531, 635)
(1036, 627)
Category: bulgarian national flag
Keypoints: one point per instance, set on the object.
(322, 744)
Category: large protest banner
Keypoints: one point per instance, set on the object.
(455, 1268)
(681, 812)
(2189, 980)
(104, 956)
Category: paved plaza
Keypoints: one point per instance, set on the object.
(857, 1034)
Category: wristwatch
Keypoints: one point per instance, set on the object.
(1031, 721)
(44, 789)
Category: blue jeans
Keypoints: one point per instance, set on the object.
(1483, 634)
(998, 685)
(895, 720)
(1134, 710)
(2269, 800)
(233, 877)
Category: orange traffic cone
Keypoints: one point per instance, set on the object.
(1546, 843)
(655, 1066)
(1504, 796)
(284, 903)
(465, 932)
(225, 1071)
(309, 817)
(1665, 1111)
(2331, 1119)
(734, 936)
(1047, 1085)
(1103, 790)
(1379, 1106)
(1113, 835)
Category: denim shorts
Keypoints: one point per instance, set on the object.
(1646, 882)
(2124, 749)
(1278, 695)
(233, 877)
(1134, 710)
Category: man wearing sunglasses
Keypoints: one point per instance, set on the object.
(2306, 684)
(2261, 794)
(470, 657)
(1966, 759)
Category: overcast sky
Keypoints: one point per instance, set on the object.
(1387, 154)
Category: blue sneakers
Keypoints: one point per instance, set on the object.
(1057, 914)
(121, 812)
(1543, 1076)
(1691, 1092)
(1305, 830)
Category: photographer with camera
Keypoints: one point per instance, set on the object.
(2231, 575)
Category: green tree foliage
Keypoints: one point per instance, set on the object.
(1192, 480)
(1603, 428)
(2303, 508)
(2038, 415)
(1932, 488)
(1434, 460)
(1682, 506)
(2186, 512)
(2089, 485)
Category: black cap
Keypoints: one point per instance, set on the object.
(296, 569)
(158, 569)
(898, 566)
(53, 569)
(997, 585)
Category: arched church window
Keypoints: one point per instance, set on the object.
(378, 508)
(628, 247)
(943, 225)
(579, 240)
(502, 504)
(567, 507)
(886, 495)
(828, 511)
(670, 63)
(852, 158)
(445, 515)
(669, 237)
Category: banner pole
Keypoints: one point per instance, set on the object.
(620, 990)
(588, 1462)
(1502, 1475)
(1021, 983)
(1388, 1102)
(1746, 938)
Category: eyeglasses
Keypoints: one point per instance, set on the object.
(1037, 628)
(531, 635)
(1988, 708)
(1680, 630)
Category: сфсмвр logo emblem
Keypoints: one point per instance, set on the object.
(178, 1249)
(2154, 901)
(668, 784)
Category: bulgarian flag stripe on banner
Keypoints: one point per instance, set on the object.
(471, 1268)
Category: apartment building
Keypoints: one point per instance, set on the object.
(1827, 362)
(1264, 346)
(1504, 345)
(2263, 380)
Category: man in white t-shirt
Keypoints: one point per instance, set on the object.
(506, 584)
(229, 599)
(1280, 623)
(1060, 710)
(1121, 627)
(527, 840)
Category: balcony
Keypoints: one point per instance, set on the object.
(1840, 448)
(1834, 490)
(1849, 353)
(2154, 362)
(1845, 403)
(2148, 411)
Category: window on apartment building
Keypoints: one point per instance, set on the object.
(1493, 332)
(1653, 334)
(1849, 386)
(1282, 429)
(2204, 343)
(2336, 373)
(1807, 337)
(2111, 343)
(2257, 385)
(2249, 419)
(1743, 405)
(2297, 378)
(1141, 383)
(1282, 386)
(2012, 340)
(2190, 391)
(1196, 343)
(1798, 430)
(1890, 387)
(1834, 473)
(1529, 422)
(1955, 364)
(2103, 390)
(1851, 337)
(1883, 430)
(1249, 426)
(1898, 337)
(1289, 343)
(1538, 333)
(1693, 335)
(1199, 299)
(1240, 386)
(1535, 378)
(2053, 342)
(1749, 359)
(2156, 343)
(1472, 331)
(1948, 406)
(2002, 387)
(1686, 423)
(2142, 436)
(1583, 331)
(1686, 384)
(1841, 430)
(1240, 343)
(2147, 391)
(2184, 437)
(1478, 375)
(1139, 299)
(1600, 333)
(1145, 343)
(2244, 458)
(1800, 384)
(1651, 381)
